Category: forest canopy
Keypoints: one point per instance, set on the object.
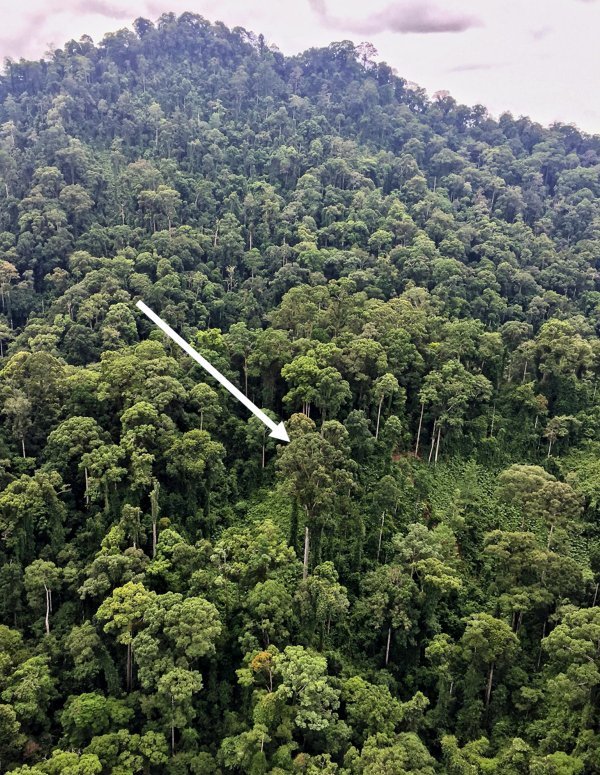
(410, 586)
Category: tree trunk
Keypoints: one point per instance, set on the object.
(48, 607)
(493, 420)
(294, 526)
(419, 430)
(488, 689)
(437, 446)
(87, 486)
(432, 441)
(154, 514)
(387, 647)
(378, 417)
(23, 445)
(263, 454)
(380, 535)
(306, 552)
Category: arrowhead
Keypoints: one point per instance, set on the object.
(280, 433)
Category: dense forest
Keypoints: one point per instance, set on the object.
(411, 585)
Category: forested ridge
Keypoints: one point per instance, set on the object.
(411, 585)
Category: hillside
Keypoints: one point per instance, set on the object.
(408, 587)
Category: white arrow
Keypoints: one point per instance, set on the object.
(277, 431)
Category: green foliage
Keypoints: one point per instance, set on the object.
(411, 585)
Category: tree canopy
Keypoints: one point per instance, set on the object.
(411, 585)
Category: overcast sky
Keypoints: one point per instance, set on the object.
(535, 57)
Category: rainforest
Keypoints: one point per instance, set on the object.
(410, 586)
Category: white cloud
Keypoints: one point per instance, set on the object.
(404, 18)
